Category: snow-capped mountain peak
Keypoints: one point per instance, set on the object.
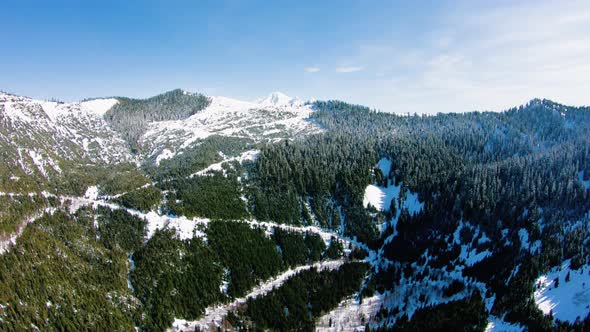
(278, 99)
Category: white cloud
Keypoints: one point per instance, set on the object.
(481, 58)
(312, 69)
(349, 69)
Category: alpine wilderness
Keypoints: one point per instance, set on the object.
(187, 210)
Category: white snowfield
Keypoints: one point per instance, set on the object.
(99, 106)
(568, 301)
(214, 315)
(273, 118)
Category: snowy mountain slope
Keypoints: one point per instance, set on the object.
(37, 136)
(273, 118)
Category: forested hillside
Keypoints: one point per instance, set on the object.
(280, 214)
(131, 116)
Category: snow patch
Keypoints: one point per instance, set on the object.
(384, 165)
(249, 155)
(165, 154)
(496, 324)
(380, 197)
(98, 106)
(569, 300)
(91, 193)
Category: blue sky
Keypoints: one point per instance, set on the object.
(419, 56)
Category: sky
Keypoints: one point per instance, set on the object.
(395, 56)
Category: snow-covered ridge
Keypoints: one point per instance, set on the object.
(271, 119)
(54, 109)
(278, 98)
(38, 134)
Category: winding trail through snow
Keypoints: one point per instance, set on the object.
(215, 314)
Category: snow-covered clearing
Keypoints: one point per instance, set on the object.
(350, 315)
(496, 324)
(165, 154)
(381, 197)
(215, 314)
(570, 299)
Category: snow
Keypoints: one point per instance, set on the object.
(67, 130)
(412, 203)
(278, 99)
(42, 163)
(215, 314)
(249, 155)
(98, 107)
(525, 244)
(523, 234)
(52, 109)
(91, 193)
(483, 239)
(231, 118)
(165, 154)
(569, 300)
(350, 315)
(474, 257)
(14, 111)
(185, 228)
(380, 197)
(496, 324)
(384, 165)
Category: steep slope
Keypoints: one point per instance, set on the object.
(39, 138)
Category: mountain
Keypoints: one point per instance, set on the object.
(190, 212)
(272, 119)
(278, 99)
(40, 138)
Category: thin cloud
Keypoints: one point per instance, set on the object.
(311, 69)
(349, 69)
(479, 64)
